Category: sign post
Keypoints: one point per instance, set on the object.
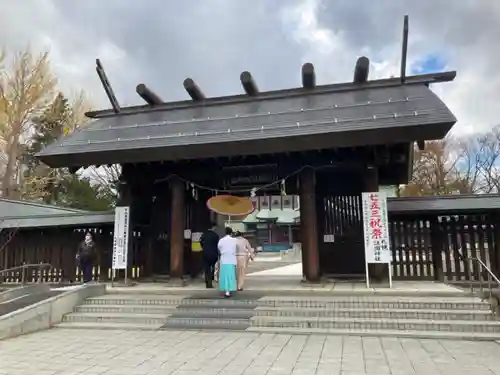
(120, 241)
(376, 232)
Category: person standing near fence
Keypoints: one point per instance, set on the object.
(85, 257)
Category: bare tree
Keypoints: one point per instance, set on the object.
(435, 170)
(489, 156)
(26, 87)
(104, 176)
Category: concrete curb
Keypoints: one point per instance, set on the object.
(23, 290)
(47, 313)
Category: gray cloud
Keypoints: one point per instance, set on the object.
(161, 42)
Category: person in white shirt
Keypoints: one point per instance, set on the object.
(244, 253)
(227, 263)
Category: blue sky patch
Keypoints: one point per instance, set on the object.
(429, 64)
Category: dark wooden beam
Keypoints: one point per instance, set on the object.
(308, 76)
(148, 95)
(73, 170)
(193, 90)
(107, 86)
(361, 70)
(404, 52)
(248, 84)
(421, 145)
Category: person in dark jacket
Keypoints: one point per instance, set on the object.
(209, 241)
(85, 257)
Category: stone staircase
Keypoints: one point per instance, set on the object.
(453, 316)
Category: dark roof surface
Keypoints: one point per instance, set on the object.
(11, 207)
(61, 220)
(290, 120)
(443, 204)
(26, 214)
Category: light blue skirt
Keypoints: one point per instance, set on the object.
(227, 277)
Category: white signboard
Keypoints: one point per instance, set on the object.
(187, 234)
(196, 236)
(120, 238)
(328, 238)
(376, 230)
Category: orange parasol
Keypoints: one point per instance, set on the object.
(230, 205)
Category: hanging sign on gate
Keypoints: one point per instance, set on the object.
(376, 230)
(121, 237)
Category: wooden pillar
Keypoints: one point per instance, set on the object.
(308, 222)
(177, 223)
(495, 257)
(436, 250)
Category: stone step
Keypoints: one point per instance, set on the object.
(116, 299)
(130, 318)
(378, 324)
(108, 325)
(297, 331)
(432, 314)
(207, 312)
(303, 290)
(126, 308)
(463, 303)
(438, 335)
(195, 323)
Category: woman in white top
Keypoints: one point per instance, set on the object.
(227, 263)
(244, 253)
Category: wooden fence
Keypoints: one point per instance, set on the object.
(423, 247)
(58, 246)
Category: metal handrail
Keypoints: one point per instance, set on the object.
(491, 277)
(23, 269)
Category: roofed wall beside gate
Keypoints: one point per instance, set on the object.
(27, 214)
(23, 214)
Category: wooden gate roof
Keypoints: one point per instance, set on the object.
(374, 112)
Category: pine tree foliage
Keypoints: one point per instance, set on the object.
(58, 186)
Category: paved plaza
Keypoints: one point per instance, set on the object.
(65, 352)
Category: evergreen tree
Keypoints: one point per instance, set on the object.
(57, 186)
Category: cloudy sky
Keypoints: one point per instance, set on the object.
(161, 42)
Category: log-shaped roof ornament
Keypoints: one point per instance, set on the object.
(404, 49)
(361, 70)
(107, 86)
(148, 95)
(308, 76)
(193, 90)
(248, 83)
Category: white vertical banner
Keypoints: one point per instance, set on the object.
(376, 230)
(120, 237)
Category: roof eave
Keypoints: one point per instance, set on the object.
(289, 144)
